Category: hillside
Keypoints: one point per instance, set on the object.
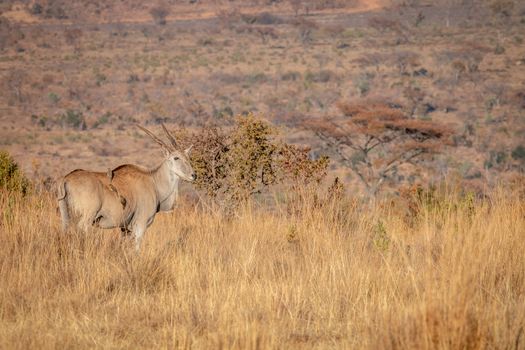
(77, 76)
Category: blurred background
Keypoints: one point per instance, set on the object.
(77, 75)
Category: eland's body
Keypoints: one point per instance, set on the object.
(127, 197)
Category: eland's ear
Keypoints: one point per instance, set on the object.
(187, 151)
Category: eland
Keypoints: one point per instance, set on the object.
(127, 197)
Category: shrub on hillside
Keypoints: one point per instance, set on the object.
(55, 9)
(11, 177)
(296, 166)
(233, 164)
(73, 119)
(159, 14)
(264, 18)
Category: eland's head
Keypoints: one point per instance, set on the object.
(178, 161)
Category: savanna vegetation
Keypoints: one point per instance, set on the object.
(359, 173)
(439, 269)
(268, 264)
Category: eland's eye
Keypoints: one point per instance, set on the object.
(175, 158)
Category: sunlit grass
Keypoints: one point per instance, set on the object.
(310, 273)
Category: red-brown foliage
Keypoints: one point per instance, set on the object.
(374, 140)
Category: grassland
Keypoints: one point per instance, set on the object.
(440, 269)
(311, 273)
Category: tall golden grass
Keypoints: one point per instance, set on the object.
(312, 272)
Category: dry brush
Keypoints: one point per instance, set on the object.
(316, 271)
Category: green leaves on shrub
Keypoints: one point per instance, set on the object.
(240, 161)
(11, 177)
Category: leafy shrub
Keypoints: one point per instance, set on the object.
(250, 156)
(220, 113)
(100, 79)
(53, 98)
(518, 153)
(36, 9)
(11, 177)
(233, 164)
(103, 119)
(295, 165)
(291, 76)
(323, 76)
(133, 78)
(257, 78)
(362, 84)
(499, 50)
(74, 119)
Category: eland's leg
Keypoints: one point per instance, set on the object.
(85, 224)
(138, 232)
(87, 220)
(64, 214)
(125, 232)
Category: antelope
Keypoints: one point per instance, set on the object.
(127, 197)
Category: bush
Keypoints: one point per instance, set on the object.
(295, 165)
(159, 14)
(74, 119)
(518, 153)
(264, 18)
(55, 9)
(291, 76)
(11, 177)
(236, 163)
(103, 119)
(36, 9)
(323, 76)
(53, 98)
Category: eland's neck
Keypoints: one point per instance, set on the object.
(166, 183)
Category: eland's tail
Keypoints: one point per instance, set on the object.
(62, 204)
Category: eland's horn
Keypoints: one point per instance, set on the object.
(154, 137)
(170, 136)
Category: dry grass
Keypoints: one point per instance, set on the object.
(333, 274)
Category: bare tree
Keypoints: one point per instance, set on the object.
(375, 140)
